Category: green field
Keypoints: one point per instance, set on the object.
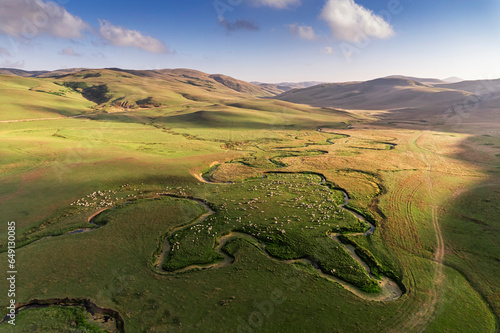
(206, 209)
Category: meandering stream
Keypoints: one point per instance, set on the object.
(389, 288)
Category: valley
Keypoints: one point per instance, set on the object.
(185, 201)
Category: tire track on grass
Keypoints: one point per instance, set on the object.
(421, 319)
(401, 202)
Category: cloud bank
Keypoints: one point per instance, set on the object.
(30, 18)
(352, 22)
(302, 31)
(120, 36)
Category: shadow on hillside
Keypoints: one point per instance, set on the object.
(471, 230)
(469, 222)
(220, 120)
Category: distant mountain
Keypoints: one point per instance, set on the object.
(240, 86)
(23, 73)
(378, 94)
(453, 79)
(278, 88)
(272, 88)
(480, 87)
(418, 79)
(20, 72)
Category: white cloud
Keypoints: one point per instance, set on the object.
(69, 52)
(302, 31)
(352, 22)
(121, 36)
(30, 18)
(280, 4)
(328, 50)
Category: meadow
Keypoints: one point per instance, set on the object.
(98, 198)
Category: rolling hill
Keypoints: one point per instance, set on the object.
(239, 86)
(137, 89)
(30, 98)
(131, 163)
(23, 73)
(20, 72)
(479, 87)
(379, 94)
(114, 89)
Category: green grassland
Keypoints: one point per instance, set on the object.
(167, 302)
(299, 228)
(26, 98)
(122, 89)
(471, 225)
(146, 158)
(56, 319)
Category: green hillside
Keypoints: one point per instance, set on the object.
(29, 98)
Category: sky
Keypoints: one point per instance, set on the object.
(258, 40)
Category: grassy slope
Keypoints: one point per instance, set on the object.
(28, 98)
(113, 153)
(126, 89)
(471, 225)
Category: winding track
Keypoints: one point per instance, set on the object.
(421, 319)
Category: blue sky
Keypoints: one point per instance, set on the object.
(258, 40)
